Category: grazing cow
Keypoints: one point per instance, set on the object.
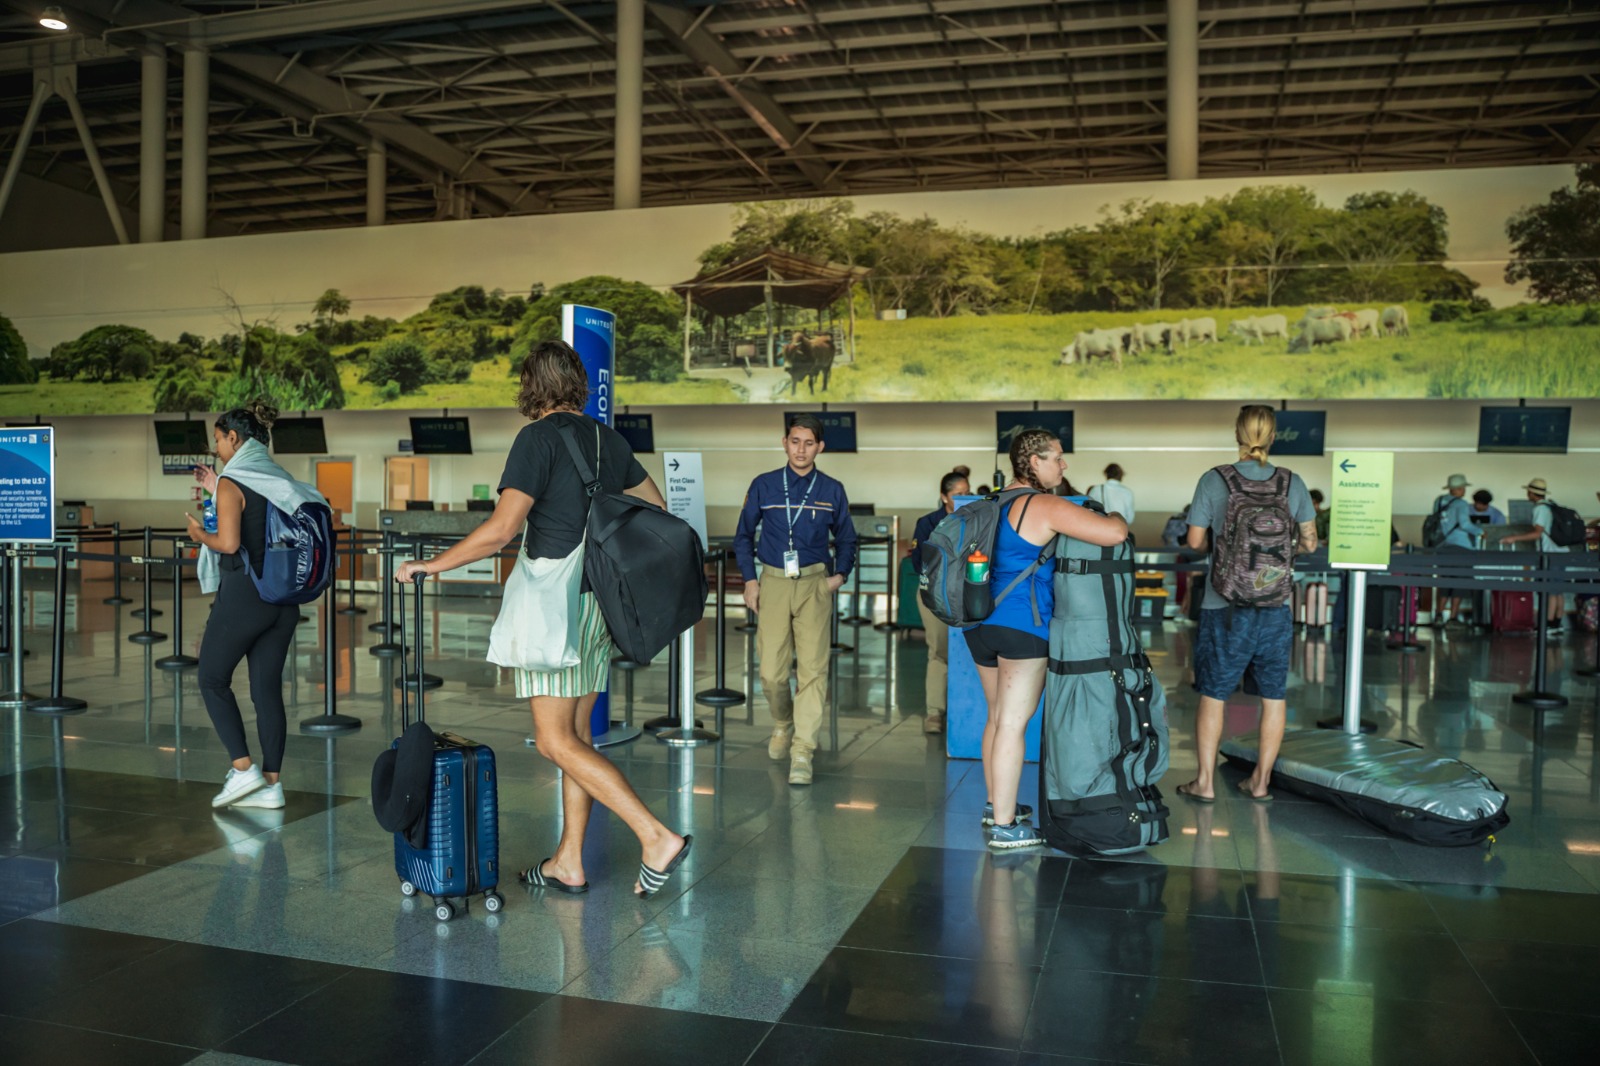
(1155, 335)
(1332, 329)
(1396, 321)
(1366, 322)
(807, 358)
(1198, 329)
(1094, 344)
(1260, 327)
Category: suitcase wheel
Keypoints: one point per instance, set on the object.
(444, 910)
(493, 901)
(407, 888)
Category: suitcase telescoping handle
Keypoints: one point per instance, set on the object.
(400, 619)
(416, 580)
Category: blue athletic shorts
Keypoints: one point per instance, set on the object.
(1258, 641)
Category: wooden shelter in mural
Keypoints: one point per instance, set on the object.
(780, 283)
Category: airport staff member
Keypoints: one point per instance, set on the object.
(797, 508)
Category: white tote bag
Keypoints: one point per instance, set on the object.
(537, 628)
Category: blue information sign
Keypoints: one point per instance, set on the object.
(1007, 424)
(838, 428)
(639, 431)
(28, 485)
(1300, 433)
(593, 335)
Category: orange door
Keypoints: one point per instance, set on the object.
(405, 478)
(336, 482)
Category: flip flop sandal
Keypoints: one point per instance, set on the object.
(535, 876)
(1194, 797)
(1244, 787)
(652, 880)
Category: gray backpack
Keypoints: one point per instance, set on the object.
(1252, 563)
(944, 586)
(1104, 744)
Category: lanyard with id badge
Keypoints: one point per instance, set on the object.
(791, 558)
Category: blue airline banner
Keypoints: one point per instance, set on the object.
(1301, 433)
(593, 334)
(28, 485)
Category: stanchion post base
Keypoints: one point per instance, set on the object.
(1587, 675)
(352, 610)
(57, 705)
(720, 697)
(177, 662)
(386, 650)
(696, 738)
(837, 646)
(888, 627)
(330, 725)
(619, 733)
(1540, 701)
(146, 636)
(1367, 724)
(154, 612)
(384, 627)
(655, 725)
(856, 620)
(115, 601)
(429, 682)
(1405, 647)
(17, 699)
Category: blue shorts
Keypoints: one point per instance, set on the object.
(1258, 642)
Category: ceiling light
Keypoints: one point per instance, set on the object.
(53, 18)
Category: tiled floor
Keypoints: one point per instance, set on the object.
(859, 920)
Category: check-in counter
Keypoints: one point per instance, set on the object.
(484, 572)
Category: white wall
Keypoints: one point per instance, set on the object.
(1165, 446)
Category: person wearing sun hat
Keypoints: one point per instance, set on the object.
(1543, 520)
(1458, 534)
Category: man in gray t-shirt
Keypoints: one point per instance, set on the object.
(1543, 521)
(1236, 641)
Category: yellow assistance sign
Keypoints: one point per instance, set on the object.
(1363, 510)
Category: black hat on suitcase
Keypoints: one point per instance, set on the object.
(402, 778)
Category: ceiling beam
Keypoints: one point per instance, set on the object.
(693, 40)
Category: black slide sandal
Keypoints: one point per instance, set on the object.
(535, 876)
(653, 881)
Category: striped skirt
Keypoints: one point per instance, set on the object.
(593, 670)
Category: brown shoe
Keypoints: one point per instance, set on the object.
(933, 723)
(800, 767)
(778, 746)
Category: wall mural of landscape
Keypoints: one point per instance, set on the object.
(1438, 284)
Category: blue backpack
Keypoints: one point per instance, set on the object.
(300, 555)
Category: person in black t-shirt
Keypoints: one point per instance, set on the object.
(541, 487)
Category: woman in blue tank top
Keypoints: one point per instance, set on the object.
(1012, 646)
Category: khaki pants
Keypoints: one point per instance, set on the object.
(794, 622)
(938, 637)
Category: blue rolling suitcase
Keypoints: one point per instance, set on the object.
(462, 856)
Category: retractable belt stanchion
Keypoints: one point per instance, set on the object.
(330, 723)
(388, 648)
(721, 696)
(833, 628)
(1356, 636)
(892, 607)
(146, 635)
(146, 612)
(116, 599)
(1407, 642)
(5, 609)
(350, 607)
(177, 660)
(680, 696)
(56, 703)
(19, 694)
(856, 618)
(1540, 698)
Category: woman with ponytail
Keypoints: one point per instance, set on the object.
(242, 625)
(1011, 647)
(1251, 633)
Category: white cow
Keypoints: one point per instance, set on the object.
(1260, 327)
(1396, 321)
(1155, 335)
(1094, 344)
(1333, 329)
(1199, 329)
(1366, 322)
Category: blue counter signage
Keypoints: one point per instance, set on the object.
(28, 485)
(639, 431)
(838, 428)
(1007, 424)
(1301, 433)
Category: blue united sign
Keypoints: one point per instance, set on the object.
(28, 485)
(593, 335)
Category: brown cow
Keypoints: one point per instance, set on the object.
(808, 358)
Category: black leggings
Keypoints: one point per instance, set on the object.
(244, 627)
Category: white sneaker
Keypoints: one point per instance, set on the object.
(238, 784)
(266, 796)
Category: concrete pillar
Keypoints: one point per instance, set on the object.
(630, 103)
(196, 132)
(377, 183)
(153, 144)
(1183, 89)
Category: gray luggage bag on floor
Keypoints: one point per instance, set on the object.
(1104, 742)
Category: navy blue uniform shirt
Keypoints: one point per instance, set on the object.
(925, 526)
(826, 511)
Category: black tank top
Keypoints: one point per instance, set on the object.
(252, 530)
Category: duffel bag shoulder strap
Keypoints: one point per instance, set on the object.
(590, 478)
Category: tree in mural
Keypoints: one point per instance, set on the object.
(15, 369)
(634, 303)
(107, 353)
(402, 360)
(181, 385)
(1553, 244)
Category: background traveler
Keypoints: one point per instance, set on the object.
(1113, 495)
(1484, 513)
(796, 508)
(1543, 521)
(542, 488)
(937, 634)
(1233, 641)
(1455, 532)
